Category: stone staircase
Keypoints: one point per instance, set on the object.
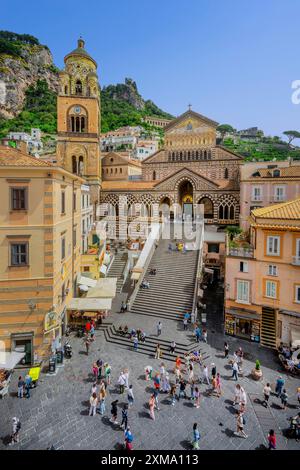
(148, 348)
(117, 269)
(172, 288)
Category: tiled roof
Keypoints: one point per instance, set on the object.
(13, 157)
(127, 185)
(287, 210)
(285, 172)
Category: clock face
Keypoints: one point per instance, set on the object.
(77, 109)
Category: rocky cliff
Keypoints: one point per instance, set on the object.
(22, 63)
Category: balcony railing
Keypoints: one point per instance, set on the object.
(296, 260)
(241, 252)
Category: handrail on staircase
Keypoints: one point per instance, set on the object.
(198, 270)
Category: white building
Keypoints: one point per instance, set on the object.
(144, 149)
(33, 140)
(86, 217)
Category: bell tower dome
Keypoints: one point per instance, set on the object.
(78, 118)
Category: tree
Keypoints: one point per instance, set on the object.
(291, 135)
(233, 231)
(225, 129)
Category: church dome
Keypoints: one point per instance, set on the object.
(80, 52)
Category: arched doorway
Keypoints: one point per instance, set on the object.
(185, 197)
(208, 207)
(165, 208)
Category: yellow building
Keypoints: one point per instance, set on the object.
(262, 299)
(78, 119)
(40, 230)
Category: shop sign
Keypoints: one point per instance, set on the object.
(52, 320)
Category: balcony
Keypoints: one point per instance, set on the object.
(241, 252)
(256, 198)
(296, 260)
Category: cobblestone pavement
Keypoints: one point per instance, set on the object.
(57, 412)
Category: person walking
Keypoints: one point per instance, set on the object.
(185, 324)
(159, 328)
(173, 395)
(218, 388)
(182, 392)
(155, 393)
(107, 373)
(94, 388)
(279, 386)
(95, 371)
(93, 404)
(124, 422)
(197, 397)
(243, 399)
(130, 396)
(152, 406)
(128, 439)
(135, 343)
(196, 437)
(92, 331)
(235, 370)
(205, 374)
(87, 341)
(226, 350)
(122, 382)
(102, 397)
(165, 383)
(99, 363)
(114, 412)
(192, 388)
(148, 373)
(237, 395)
(28, 383)
(157, 352)
(213, 370)
(126, 377)
(204, 335)
(177, 363)
(156, 382)
(16, 426)
(162, 370)
(272, 440)
(191, 374)
(21, 385)
(198, 334)
(240, 423)
(267, 392)
(172, 347)
(284, 399)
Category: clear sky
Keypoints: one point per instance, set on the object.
(233, 60)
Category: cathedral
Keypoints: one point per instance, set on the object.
(191, 169)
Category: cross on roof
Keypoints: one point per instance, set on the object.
(190, 106)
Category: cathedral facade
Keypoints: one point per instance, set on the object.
(191, 169)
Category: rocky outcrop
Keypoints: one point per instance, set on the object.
(34, 63)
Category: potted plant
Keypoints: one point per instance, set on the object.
(256, 372)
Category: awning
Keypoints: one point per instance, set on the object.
(210, 271)
(295, 337)
(8, 360)
(86, 281)
(83, 288)
(240, 314)
(135, 276)
(105, 288)
(90, 304)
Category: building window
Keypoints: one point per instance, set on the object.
(226, 175)
(120, 170)
(271, 289)
(213, 248)
(243, 288)
(256, 193)
(272, 270)
(273, 245)
(297, 294)
(244, 267)
(154, 175)
(18, 199)
(298, 250)
(19, 254)
(279, 193)
(63, 248)
(78, 88)
(63, 202)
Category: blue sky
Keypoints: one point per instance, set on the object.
(234, 60)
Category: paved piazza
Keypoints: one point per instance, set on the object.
(57, 412)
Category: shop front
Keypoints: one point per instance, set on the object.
(243, 325)
(82, 309)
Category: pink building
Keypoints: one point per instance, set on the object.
(265, 183)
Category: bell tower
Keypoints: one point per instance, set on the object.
(78, 119)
